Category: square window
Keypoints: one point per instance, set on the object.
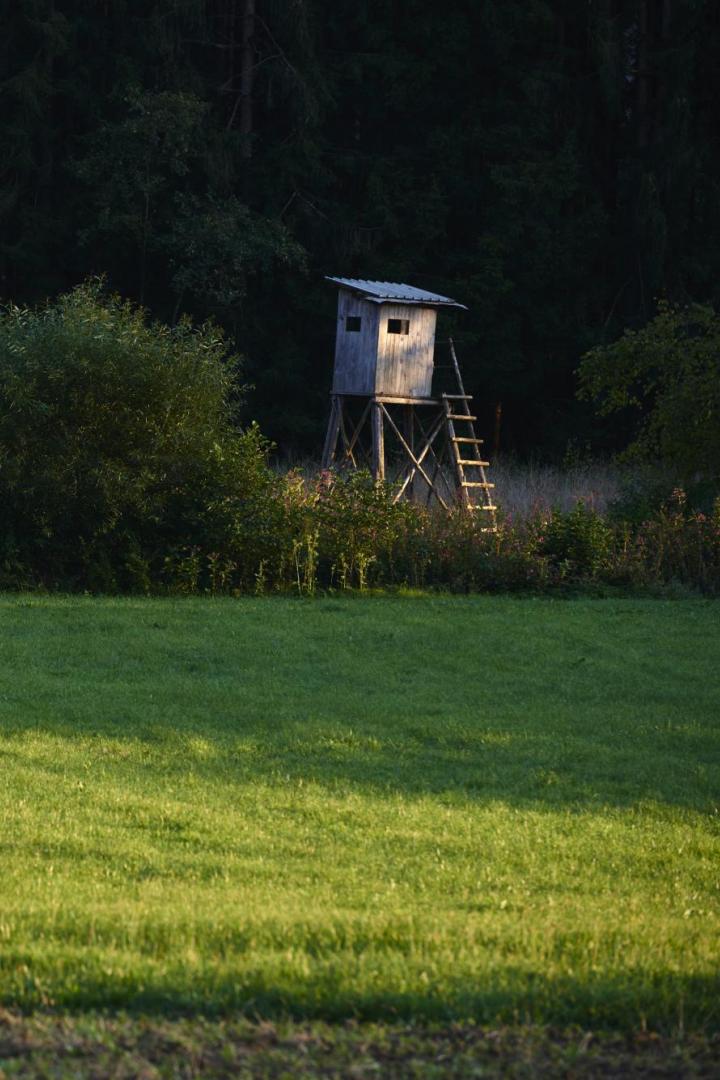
(398, 326)
(352, 324)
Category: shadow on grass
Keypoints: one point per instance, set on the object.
(662, 1001)
(523, 767)
(532, 703)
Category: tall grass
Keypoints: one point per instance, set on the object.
(527, 488)
(522, 488)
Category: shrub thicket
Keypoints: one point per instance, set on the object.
(668, 374)
(117, 439)
(122, 469)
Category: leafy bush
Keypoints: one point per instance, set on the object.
(115, 435)
(577, 543)
(361, 534)
(670, 372)
(682, 545)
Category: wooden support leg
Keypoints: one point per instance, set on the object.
(331, 437)
(378, 433)
(496, 433)
(410, 439)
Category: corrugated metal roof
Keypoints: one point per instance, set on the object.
(394, 292)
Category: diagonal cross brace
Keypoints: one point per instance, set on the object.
(417, 461)
(350, 443)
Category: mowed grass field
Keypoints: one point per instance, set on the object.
(426, 808)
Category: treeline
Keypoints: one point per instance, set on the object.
(554, 164)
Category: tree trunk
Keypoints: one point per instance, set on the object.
(654, 33)
(247, 68)
(643, 76)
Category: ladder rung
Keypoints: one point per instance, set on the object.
(476, 483)
(460, 416)
(471, 461)
(467, 438)
(458, 397)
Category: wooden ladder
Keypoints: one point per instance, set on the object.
(469, 466)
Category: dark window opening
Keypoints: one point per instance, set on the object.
(352, 324)
(398, 326)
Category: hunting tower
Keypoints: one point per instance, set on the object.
(384, 367)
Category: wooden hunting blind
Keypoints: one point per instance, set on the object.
(384, 369)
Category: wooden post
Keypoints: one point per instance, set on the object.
(378, 435)
(331, 437)
(496, 433)
(410, 440)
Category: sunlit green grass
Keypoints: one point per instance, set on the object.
(428, 807)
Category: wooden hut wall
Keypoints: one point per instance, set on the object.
(355, 350)
(405, 360)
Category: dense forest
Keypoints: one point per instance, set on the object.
(553, 164)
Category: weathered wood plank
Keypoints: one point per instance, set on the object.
(393, 399)
(378, 441)
(405, 361)
(331, 437)
(355, 350)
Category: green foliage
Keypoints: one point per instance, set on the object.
(131, 162)
(131, 167)
(138, 170)
(680, 544)
(217, 244)
(577, 543)
(359, 529)
(113, 433)
(670, 372)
